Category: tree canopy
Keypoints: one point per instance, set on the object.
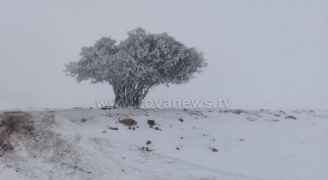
(136, 64)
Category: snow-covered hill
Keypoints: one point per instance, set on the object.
(87, 144)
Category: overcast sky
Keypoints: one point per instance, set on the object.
(260, 53)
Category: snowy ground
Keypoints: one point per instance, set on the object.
(251, 145)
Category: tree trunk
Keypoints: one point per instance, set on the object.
(130, 95)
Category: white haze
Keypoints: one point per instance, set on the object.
(260, 53)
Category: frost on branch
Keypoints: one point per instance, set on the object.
(135, 65)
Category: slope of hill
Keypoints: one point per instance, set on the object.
(171, 145)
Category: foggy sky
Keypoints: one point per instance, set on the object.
(260, 53)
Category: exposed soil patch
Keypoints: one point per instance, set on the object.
(130, 123)
(25, 135)
(14, 124)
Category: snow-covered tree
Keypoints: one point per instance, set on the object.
(135, 65)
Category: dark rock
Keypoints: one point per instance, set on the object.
(146, 149)
(148, 142)
(158, 129)
(113, 128)
(214, 149)
(181, 120)
(151, 123)
(84, 120)
(291, 117)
